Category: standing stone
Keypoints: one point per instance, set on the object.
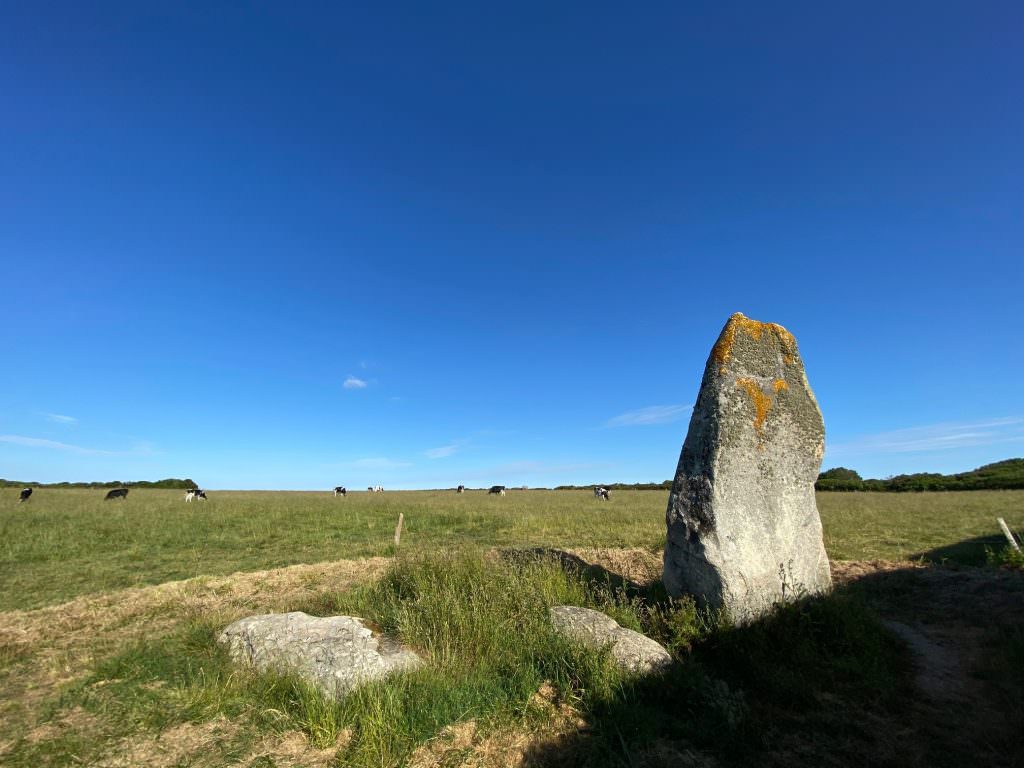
(743, 527)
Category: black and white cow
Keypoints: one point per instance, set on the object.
(117, 493)
(497, 489)
(340, 490)
(25, 493)
(461, 489)
(195, 493)
(600, 492)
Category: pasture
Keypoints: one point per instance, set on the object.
(66, 543)
(109, 612)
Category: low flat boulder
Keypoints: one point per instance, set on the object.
(334, 654)
(631, 651)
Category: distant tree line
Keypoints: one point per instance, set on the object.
(170, 482)
(1003, 475)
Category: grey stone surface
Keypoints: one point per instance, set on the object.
(630, 650)
(743, 527)
(335, 653)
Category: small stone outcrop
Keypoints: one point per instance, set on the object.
(743, 526)
(334, 654)
(631, 651)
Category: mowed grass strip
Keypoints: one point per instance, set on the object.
(66, 543)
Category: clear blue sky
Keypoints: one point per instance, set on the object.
(514, 229)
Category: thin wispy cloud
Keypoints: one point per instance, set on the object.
(38, 442)
(652, 414)
(378, 462)
(354, 383)
(59, 418)
(935, 437)
(445, 451)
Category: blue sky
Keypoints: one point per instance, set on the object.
(419, 245)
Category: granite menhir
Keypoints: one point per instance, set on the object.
(743, 527)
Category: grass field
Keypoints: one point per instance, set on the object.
(66, 543)
(121, 677)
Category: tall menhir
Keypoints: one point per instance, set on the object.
(743, 526)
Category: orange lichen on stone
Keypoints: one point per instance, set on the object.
(722, 351)
(762, 403)
(779, 384)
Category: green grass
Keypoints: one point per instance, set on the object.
(481, 624)
(65, 543)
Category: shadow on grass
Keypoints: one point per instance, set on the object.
(823, 681)
(967, 552)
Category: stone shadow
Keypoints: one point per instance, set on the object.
(849, 678)
(966, 552)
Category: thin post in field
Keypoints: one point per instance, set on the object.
(1006, 532)
(398, 528)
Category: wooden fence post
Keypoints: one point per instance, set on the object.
(1008, 534)
(398, 528)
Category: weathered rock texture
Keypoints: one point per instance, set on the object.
(630, 650)
(743, 527)
(335, 654)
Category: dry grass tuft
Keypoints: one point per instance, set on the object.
(191, 743)
(468, 745)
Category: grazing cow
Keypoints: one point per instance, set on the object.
(498, 489)
(23, 496)
(461, 489)
(379, 489)
(340, 490)
(370, 489)
(600, 492)
(117, 493)
(195, 493)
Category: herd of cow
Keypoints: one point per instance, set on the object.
(121, 493)
(600, 492)
(192, 494)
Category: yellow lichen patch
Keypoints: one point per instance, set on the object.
(722, 351)
(762, 403)
(779, 385)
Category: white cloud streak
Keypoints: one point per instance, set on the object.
(60, 418)
(935, 437)
(38, 442)
(652, 414)
(378, 462)
(443, 452)
(353, 383)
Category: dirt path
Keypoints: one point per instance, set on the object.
(957, 622)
